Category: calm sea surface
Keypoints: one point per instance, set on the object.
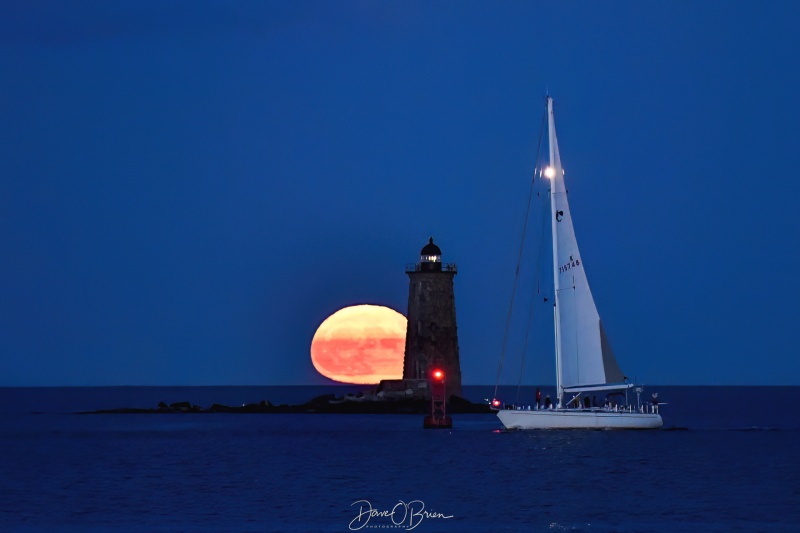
(727, 460)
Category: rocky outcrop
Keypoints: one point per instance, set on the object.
(325, 404)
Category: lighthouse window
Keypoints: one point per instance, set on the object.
(431, 258)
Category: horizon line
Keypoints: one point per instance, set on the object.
(375, 384)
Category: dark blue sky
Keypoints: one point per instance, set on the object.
(188, 189)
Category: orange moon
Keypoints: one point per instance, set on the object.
(360, 344)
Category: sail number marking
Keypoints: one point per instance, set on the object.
(572, 263)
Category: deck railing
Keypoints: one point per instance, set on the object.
(645, 408)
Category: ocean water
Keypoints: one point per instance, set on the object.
(727, 460)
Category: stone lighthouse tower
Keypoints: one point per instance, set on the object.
(432, 335)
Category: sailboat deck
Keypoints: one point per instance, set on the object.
(627, 409)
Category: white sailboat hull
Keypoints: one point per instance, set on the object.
(578, 419)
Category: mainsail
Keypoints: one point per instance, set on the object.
(584, 359)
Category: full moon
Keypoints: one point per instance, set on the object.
(360, 344)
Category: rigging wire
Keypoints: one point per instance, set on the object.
(519, 258)
(534, 299)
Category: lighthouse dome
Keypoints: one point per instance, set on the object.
(430, 249)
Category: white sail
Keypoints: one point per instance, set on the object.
(584, 356)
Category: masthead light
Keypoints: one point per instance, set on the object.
(549, 173)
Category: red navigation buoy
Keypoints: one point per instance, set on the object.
(438, 418)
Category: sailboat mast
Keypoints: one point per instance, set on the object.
(551, 173)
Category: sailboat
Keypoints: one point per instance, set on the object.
(585, 365)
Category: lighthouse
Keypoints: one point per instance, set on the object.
(432, 335)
